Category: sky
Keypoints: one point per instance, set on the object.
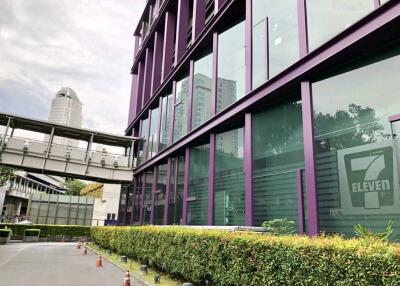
(84, 44)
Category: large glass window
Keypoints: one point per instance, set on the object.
(181, 108)
(275, 31)
(231, 66)
(357, 170)
(153, 134)
(202, 90)
(160, 194)
(277, 154)
(146, 208)
(144, 135)
(198, 185)
(165, 121)
(137, 200)
(229, 179)
(327, 18)
(176, 191)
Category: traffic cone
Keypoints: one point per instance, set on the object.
(127, 279)
(99, 261)
(85, 251)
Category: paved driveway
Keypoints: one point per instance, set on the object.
(42, 264)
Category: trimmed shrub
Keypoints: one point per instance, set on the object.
(67, 231)
(31, 232)
(5, 232)
(232, 258)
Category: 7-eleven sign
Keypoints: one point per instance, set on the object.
(368, 179)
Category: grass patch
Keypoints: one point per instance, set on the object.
(134, 268)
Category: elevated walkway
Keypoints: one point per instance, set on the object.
(67, 161)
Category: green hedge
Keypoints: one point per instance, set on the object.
(250, 259)
(5, 232)
(46, 230)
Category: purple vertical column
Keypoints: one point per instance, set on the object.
(142, 198)
(309, 156)
(153, 194)
(139, 87)
(167, 191)
(214, 81)
(190, 97)
(168, 50)
(199, 18)
(186, 186)
(211, 176)
(248, 170)
(217, 5)
(181, 29)
(147, 76)
(249, 47)
(157, 59)
(302, 23)
(300, 210)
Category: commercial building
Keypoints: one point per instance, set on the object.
(66, 109)
(260, 109)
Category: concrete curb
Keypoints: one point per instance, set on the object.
(120, 267)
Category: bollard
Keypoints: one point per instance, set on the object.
(78, 246)
(127, 279)
(99, 261)
(62, 239)
(85, 250)
(157, 279)
(123, 259)
(187, 284)
(143, 269)
(108, 251)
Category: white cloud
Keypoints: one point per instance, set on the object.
(87, 45)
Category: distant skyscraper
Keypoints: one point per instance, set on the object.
(66, 109)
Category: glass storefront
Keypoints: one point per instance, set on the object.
(356, 156)
(176, 191)
(146, 207)
(160, 194)
(198, 185)
(277, 153)
(229, 179)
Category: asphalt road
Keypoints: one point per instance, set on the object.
(42, 264)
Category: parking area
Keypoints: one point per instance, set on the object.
(38, 264)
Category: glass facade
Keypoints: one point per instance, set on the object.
(275, 38)
(229, 179)
(277, 145)
(176, 191)
(181, 108)
(144, 135)
(327, 18)
(198, 185)
(146, 207)
(202, 81)
(356, 156)
(153, 133)
(166, 123)
(160, 194)
(231, 66)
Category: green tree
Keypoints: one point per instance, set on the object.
(74, 187)
(6, 173)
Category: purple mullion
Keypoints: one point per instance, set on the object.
(199, 15)
(133, 200)
(139, 88)
(157, 58)
(142, 198)
(300, 210)
(167, 192)
(147, 76)
(266, 52)
(186, 186)
(217, 5)
(181, 29)
(171, 131)
(153, 194)
(211, 176)
(169, 34)
(214, 81)
(302, 21)
(248, 170)
(394, 118)
(309, 155)
(249, 47)
(190, 99)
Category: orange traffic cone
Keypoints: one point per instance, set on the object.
(127, 279)
(85, 251)
(99, 261)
